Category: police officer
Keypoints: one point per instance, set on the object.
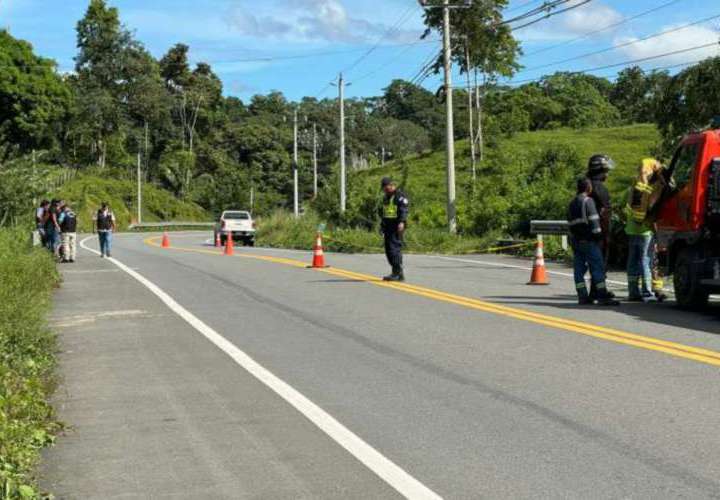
(599, 167)
(393, 213)
(586, 233)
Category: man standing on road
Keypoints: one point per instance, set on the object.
(393, 213)
(104, 223)
(599, 167)
(586, 233)
(68, 226)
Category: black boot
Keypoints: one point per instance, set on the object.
(393, 277)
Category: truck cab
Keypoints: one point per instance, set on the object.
(688, 219)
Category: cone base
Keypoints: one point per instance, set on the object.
(536, 284)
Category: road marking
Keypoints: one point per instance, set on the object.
(390, 472)
(701, 355)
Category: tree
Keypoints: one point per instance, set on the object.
(480, 43)
(636, 93)
(34, 100)
(690, 101)
(100, 66)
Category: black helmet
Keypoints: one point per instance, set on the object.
(600, 164)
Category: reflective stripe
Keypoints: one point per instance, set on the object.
(597, 230)
(594, 217)
(390, 209)
(601, 286)
(581, 286)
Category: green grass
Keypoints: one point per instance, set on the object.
(424, 176)
(87, 191)
(282, 230)
(27, 361)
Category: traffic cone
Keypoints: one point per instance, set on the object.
(165, 240)
(229, 245)
(318, 255)
(218, 244)
(539, 276)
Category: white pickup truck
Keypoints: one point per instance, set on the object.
(237, 224)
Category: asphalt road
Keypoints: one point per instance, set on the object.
(465, 382)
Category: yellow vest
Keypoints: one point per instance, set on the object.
(390, 209)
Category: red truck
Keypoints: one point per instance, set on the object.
(689, 220)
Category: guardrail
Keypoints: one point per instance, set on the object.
(160, 225)
(551, 228)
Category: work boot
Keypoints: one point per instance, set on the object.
(585, 301)
(394, 277)
(660, 296)
(605, 300)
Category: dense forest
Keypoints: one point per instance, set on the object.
(212, 149)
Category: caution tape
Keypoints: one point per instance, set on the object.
(432, 250)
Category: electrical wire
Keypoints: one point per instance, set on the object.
(625, 44)
(403, 19)
(627, 63)
(605, 28)
(551, 14)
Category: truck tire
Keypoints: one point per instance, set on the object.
(689, 293)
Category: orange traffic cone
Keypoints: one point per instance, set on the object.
(229, 245)
(318, 255)
(218, 244)
(539, 276)
(165, 240)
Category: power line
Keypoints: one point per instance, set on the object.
(391, 60)
(605, 28)
(625, 44)
(522, 5)
(626, 63)
(546, 8)
(403, 18)
(551, 14)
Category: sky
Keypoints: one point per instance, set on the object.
(299, 46)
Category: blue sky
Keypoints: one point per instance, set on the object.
(236, 36)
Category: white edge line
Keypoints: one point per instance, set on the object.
(390, 472)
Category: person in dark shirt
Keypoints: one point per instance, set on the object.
(393, 214)
(599, 167)
(586, 232)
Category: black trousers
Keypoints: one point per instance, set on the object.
(393, 250)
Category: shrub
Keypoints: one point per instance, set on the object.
(27, 347)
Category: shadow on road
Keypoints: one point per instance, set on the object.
(666, 314)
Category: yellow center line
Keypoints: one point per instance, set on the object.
(649, 343)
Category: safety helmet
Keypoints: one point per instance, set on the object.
(600, 164)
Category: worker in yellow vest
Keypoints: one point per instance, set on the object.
(393, 215)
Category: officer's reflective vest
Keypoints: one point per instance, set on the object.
(390, 209)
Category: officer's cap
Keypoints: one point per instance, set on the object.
(386, 181)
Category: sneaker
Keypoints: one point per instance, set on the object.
(649, 297)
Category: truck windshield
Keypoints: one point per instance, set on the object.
(236, 216)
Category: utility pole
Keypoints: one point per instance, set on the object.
(296, 207)
(450, 131)
(139, 190)
(315, 180)
(341, 89)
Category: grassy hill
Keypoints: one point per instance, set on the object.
(86, 192)
(530, 175)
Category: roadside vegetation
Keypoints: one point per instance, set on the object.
(27, 362)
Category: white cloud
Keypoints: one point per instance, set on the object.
(310, 20)
(673, 42)
(579, 21)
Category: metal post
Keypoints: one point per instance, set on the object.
(296, 207)
(139, 190)
(341, 88)
(473, 160)
(315, 179)
(450, 138)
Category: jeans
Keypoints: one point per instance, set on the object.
(105, 242)
(639, 265)
(52, 237)
(588, 255)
